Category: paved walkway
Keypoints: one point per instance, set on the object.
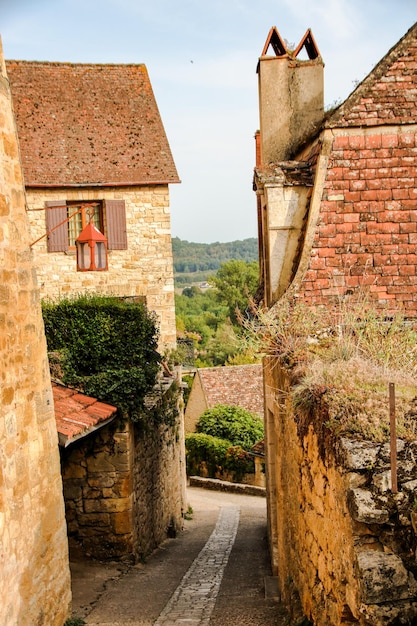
(212, 574)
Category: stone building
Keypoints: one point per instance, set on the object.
(34, 571)
(93, 147)
(337, 201)
(237, 385)
(337, 213)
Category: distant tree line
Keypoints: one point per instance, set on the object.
(192, 258)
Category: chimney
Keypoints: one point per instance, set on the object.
(291, 100)
(257, 148)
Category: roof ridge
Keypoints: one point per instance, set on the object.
(372, 77)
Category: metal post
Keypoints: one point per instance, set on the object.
(393, 438)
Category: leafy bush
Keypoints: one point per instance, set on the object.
(218, 455)
(205, 448)
(107, 347)
(233, 423)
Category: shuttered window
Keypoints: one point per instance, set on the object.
(116, 225)
(57, 213)
(58, 237)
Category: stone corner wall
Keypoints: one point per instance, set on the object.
(342, 543)
(124, 487)
(34, 573)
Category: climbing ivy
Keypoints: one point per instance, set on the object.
(107, 348)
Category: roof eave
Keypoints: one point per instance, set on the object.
(64, 441)
(143, 183)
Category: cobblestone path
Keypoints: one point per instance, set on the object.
(194, 599)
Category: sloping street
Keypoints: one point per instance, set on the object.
(216, 572)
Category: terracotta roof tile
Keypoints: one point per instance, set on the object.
(258, 449)
(77, 415)
(388, 95)
(88, 124)
(237, 385)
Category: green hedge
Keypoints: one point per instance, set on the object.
(219, 456)
(107, 346)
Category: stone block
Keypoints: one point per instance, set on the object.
(95, 520)
(363, 507)
(382, 481)
(72, 491)
(359, 455)
(122, 522)
(113, 505)
(383, 578)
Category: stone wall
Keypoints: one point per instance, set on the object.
(34, 569)
(124, 488)
(97, 477)
(159, 486)
(343, 545)
(144, 269)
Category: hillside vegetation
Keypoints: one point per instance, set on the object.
(194, 262)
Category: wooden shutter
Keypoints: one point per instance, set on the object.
(116, 225)
(57, 238)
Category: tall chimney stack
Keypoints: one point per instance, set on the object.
(291, 96)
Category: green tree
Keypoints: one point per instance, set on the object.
(236, 282)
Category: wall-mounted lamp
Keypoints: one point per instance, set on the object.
(91, 247)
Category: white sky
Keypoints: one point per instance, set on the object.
(201, 56)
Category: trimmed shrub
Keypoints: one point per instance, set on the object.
(107, 348)
(218, 455)
(239, 426)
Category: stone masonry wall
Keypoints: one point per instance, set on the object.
(124, 488)
(342, 545)
(34, 568)
(159, 485)
(97, 477)
(144, 269)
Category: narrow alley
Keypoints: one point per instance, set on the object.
(216, 572)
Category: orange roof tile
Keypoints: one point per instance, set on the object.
(88, 124)
(78, 415)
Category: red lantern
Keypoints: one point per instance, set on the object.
(91, 250)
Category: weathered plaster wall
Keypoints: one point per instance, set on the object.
(283, 223)
(342, 544)
(144, 269)
(34, 569)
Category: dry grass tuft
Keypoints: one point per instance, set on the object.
(344, 359)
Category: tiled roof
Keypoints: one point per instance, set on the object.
(81, 124)
(388, 95)
(259, 448)
(78, 415)
(236, 385)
